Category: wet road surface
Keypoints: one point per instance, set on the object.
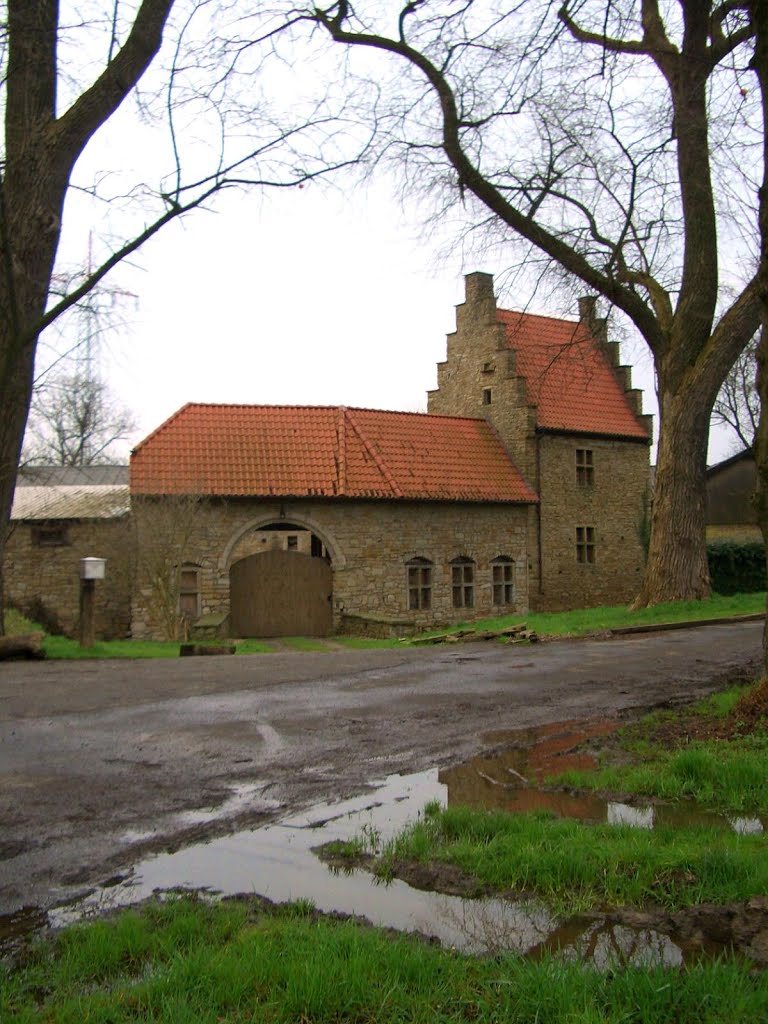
(102, 763)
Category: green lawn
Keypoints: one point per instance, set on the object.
(573, 623)
(187, 962)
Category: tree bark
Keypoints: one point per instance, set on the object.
(760, 63)
(40, 152)
(677, 558)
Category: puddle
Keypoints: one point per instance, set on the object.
(277, 861)
(508, 782)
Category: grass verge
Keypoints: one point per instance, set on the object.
(669, 756)
(574, 867)
(187, 961)
(580, 622)
(583, 621)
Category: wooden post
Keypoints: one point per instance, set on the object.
(87, 610)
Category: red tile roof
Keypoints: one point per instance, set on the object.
(322, 451)
(569, 377)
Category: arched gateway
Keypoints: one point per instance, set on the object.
(284, 587)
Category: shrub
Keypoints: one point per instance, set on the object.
(736, 567)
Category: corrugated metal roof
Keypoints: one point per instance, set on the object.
(71, 476)
(70, 502)
(327, 452)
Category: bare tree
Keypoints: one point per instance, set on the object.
(594, 133)
(75, 421)
(737, 405)
(55, 104)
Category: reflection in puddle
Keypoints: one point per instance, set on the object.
(507, 782)
(277, 861)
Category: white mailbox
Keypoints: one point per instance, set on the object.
(92, 568)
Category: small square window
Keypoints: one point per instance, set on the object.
(585, 544)
(292, 542)
(585, 467)
(486, 396)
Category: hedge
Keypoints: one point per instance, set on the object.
(736, 567)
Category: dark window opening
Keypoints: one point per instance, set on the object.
(486, 396)
(50, 536)
(585, 544)
(189, 592)
(463, 583)
(419, 572)
(503, 580)
(585, 467)
(292, 542)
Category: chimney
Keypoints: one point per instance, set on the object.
(478, 287)
(596, 325)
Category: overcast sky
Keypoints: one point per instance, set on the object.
(316, 295)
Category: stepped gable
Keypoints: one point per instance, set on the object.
(326, 452)
(569, 377)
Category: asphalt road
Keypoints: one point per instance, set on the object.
(101, 762)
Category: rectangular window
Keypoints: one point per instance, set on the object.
(503, 583)
(292, 542)
(463, 585)
(50, 536)
(585, 544)
(189, 594)
(486, 396)
(419, 587)
(585, 467)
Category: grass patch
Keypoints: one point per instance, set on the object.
(664, 756)
(364, 643)
(228, 963)
(303, 643)
(595, 620)
(572, 866)
(573, 623)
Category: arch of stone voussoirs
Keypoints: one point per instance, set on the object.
(259, 522)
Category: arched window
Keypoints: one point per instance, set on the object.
(463, 582)
(419, 573)
(503, 579)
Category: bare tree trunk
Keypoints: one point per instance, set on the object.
(677, 558)
(760, 22)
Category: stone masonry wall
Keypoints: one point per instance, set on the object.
(50, 576)
(478, 361)
(614, 506)
(369, 543)
(479, 367)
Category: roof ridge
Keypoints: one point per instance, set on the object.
(540, 316)
(341, 462)
(375, 455)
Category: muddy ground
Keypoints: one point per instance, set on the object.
(103, 762)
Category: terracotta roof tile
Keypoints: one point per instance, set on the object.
(569, 377)
(295, 451)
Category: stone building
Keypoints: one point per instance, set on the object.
(60, 515)
(564, 407)
(401, 520)
(524, 485)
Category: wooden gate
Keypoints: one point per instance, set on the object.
(280, 593)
